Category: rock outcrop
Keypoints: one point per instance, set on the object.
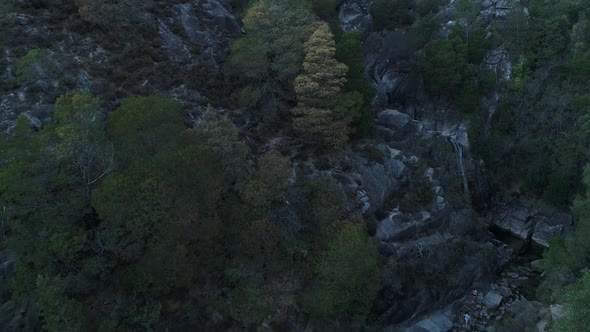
(526, 222)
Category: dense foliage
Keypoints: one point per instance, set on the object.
(118, 216)
(131, 222)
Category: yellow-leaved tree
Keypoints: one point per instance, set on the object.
(316, 87)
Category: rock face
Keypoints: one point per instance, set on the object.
(397, 227)
(394, 125)
(210, 29)
(520, 219)
(515, 218)
(354, 15)
(441, 321)
(378, 180)
(550, 223)
(388, 65)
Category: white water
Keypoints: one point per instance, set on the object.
(459, 151)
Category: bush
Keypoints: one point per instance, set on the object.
(33, 66)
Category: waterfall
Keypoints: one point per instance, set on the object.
(459, 151)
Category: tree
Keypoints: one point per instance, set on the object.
(467, 11)
(515, 30)
(78, 132)
(265, 61)
(423, 31)
(220, 135)
(577, 300)
(269, 181)
(59, 312)
(348, 275)
(316, 87)
(144, 126)
(390, 14)
(565, 258)
(103, 13)
(443, 66)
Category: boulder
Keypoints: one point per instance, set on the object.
(394, 125)
(536, 265)
(557, 311)
(393, 119)
(515, 218)
(441, 321)
(549, 223)
(397, 226)
(492, 300)
(544, 232)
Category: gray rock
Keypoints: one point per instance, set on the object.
(550, 223)
(174, 44)
(388, 61)
(536, 265)
(397, 227)
(393, 119)
(515, 218)
(544, 232)
(211, 38)
(438, 322)
(557, 311)
(214, 10)
(438, 190)
(35, 122)
(505, 291)
(440, 200)
(492, 300)
(394, 125)
(379, 181)
(354, 15)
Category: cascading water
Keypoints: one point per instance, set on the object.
(459, 151)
